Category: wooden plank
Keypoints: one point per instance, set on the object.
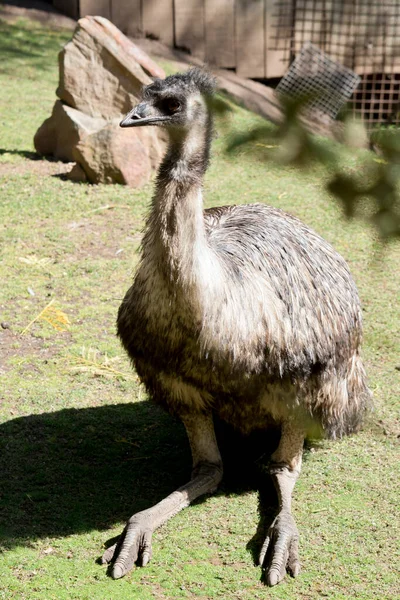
(67, 7)
(220, 32)
(277, 54)
(250, 38)
(99, 8)
(190, 26)
(127, 16)
(158, 19)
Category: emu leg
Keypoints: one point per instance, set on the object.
(279, 552)
(135, 542)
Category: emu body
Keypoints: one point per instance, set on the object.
(238, 311)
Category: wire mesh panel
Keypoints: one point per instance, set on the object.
(362, 35)
(327, 83)
(325, 23)
(377, 58)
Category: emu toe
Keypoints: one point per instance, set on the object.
(280, 551)
(134, 546)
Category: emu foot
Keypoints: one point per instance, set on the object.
(134, 545)
(280, 551)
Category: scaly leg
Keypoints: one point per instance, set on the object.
(280, 549)
(135, 541)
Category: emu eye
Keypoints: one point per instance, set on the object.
(172, 105)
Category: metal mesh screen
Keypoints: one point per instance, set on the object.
(328, 83)
(363, 36)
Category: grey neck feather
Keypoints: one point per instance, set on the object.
(175, 228)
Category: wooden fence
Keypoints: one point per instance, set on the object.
(225, 33)
(260, 38)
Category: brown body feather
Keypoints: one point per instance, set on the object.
(243, 310)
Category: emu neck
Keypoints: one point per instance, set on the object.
(176, 220)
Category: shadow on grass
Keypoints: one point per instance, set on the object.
(76, 470)
(26, 154)
(244, 470)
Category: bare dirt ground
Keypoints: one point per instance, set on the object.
(14, 347)
(38, 165)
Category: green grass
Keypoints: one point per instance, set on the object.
(80, 452)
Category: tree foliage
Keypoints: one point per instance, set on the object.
(371, 193)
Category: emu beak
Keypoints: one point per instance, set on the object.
(141, 115)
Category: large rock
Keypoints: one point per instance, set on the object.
(101, 76)
(100, 72)
(59, 134)
(118, 155)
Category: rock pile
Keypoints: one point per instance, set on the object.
(101, 76)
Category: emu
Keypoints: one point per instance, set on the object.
(240, 312)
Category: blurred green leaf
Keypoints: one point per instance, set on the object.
(347, 190)
(377, 180)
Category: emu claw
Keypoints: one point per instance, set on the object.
(134, 545)
(280, 551)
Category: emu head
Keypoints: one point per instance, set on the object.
(178, 102)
